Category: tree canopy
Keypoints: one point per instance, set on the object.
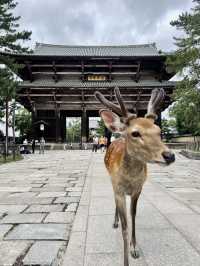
(186, 61)
(23, 122)
(11, 40)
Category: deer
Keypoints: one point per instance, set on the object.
(126, 158)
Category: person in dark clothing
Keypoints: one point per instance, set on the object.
(33, 146)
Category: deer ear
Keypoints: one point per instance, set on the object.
(112, 121)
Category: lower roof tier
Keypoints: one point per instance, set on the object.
(46, 83)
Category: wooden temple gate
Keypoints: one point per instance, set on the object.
(59, 81)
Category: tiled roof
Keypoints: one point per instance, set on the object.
(98, 51)
(42, 83)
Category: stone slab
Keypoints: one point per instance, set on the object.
(23, 218)
(101, 237)
(74, 194)
(80, 223)
(43, 253)
(45, 208)
(39, 232)
(100, 206)
(14, 189)
(11, 250)
(189, 226)
(74, 189)
(72, 207)
(12, 208)
(52, 194)
(74, 255)
(108, 259)
(28, 201)
(4, 228)
(67, 199)
(60, 217)
(166, 247)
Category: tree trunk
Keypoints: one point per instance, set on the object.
(13, 128)
(6, 143)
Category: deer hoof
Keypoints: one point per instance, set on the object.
(115, 225)
(135, 254)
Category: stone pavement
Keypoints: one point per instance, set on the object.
(168, 220)
(39, 197)
(58, 209)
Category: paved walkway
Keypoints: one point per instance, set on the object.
(168, 220)
(58, 209)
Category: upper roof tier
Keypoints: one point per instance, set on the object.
(42, 49)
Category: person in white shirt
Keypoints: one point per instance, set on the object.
(112, 138)
(42, 145)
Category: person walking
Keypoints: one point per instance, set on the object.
(42, 145)
(102, 143)
(95, 143)
(33, 146)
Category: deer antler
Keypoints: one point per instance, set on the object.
(121, 111)
(157, 97)
(121, 103)
(107, 103)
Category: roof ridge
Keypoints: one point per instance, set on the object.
(153, 45)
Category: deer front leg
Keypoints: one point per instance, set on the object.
(134, 251)
(121, 208)
(116, 219)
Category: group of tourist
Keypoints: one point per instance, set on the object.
(24, 148)
(100, 143)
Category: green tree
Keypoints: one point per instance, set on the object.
(23, 122)
(168, 127)
(74, 131)
(186, 61)
(101, 128)
(11, 39)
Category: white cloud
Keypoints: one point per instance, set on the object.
(101, 22)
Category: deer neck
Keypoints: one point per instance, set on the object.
(131, 162)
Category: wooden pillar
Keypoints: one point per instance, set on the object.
(84, 122)
(108, 135)
(159, 120)
(58, 136)
(87, 129)
(63, 127)
(33, 129)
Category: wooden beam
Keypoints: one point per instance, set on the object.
(55, 76)
(93, 106)
(135, 106)
(137, 76)
(110, 71)
(82, 71)
(86, 65)
(79, 95)
(28, 66)
(30, 101)
(162, 70)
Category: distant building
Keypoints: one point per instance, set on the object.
(59, 81)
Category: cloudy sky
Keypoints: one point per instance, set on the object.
(95, 22)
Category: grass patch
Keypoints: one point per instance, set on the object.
(9, 158)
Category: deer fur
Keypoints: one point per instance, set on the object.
(127, 157)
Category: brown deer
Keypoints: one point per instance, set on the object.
(127, 157)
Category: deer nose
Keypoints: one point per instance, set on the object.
(168, 156)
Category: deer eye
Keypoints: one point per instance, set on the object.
(135, 134)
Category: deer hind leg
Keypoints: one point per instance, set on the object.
(134, 250)
(121, 208)
(116, 219)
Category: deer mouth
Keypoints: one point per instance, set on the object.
(162, 163)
